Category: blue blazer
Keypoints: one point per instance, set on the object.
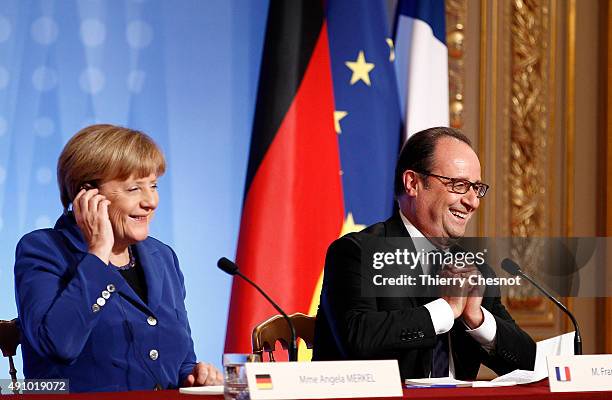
(81, 321)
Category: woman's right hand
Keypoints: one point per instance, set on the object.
(91, 213)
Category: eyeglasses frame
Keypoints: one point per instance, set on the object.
(472, 185)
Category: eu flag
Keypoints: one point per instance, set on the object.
(367, 111)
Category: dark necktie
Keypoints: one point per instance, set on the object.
(439, 362)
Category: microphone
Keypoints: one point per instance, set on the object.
(513, 269)
(227, 266)
(231, 268)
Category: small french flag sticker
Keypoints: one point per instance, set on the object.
(563, 374)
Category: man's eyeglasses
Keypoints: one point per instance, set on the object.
(461, 186)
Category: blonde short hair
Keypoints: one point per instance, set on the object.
(103, 152)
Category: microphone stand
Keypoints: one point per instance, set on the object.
(292, 344)
(577, 336)
(231, 268)
(513, 269)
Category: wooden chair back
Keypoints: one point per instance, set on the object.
(266, 334)
(9, 340)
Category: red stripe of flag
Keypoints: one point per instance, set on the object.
(293, 208)
(263, 379)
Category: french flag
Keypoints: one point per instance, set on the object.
(563, 374)
(421, 64)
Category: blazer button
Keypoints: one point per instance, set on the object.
(153, 354)
(152, 321)
(95, 308)
(421, 334)
(110, 287)
(101, 301)
(105, 294)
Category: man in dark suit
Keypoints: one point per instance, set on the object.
(438, 188)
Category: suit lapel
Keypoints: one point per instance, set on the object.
(147, 257)
(394, 227)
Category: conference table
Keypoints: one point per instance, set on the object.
(534, 391)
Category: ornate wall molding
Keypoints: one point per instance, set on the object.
(456, 21)
(530, 107)
(528, 115)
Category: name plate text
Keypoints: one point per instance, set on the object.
(587, 373)
(324, 379)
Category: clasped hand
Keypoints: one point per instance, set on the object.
(464, 300)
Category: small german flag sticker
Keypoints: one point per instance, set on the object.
(263, 382)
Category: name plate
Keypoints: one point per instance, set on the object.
(324, 379)
(588, 373)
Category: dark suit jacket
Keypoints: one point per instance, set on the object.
(108, 348)
(351, 326)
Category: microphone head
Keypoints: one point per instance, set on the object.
(511, 267)
(227, 266)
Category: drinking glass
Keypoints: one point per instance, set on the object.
(235, 385)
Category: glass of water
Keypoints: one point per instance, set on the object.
(235, 385)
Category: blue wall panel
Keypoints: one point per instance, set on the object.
(183, 71)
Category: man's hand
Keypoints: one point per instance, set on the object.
(203, 374)
(472, 313)
(455, 295)
(457, 304)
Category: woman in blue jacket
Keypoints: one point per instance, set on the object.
(100, 302)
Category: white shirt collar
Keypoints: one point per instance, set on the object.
(423, 245)
(415, 233)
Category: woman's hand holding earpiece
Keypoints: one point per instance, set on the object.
(91, 214)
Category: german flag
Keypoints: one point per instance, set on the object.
(293, 206)
(263, 382)
(322, 154)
